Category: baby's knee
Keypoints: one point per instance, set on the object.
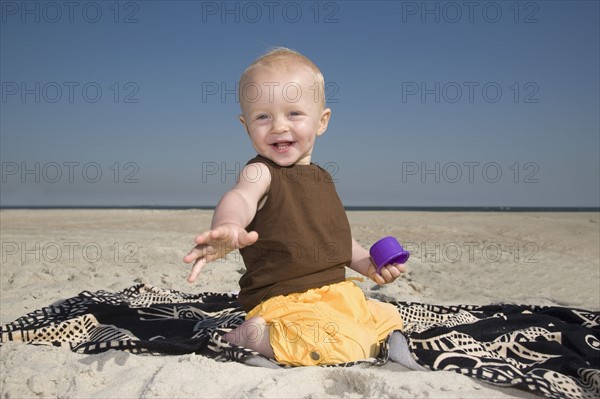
(400, 352)
(252, 334)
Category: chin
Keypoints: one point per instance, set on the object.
(284, 162)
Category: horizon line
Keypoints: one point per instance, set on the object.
(476, 208)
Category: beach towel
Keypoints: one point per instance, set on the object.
(549, 350)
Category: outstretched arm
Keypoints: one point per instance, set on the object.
(362, 263)
(235, 211)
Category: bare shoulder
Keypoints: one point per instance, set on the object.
(254, 181)
(256, 173)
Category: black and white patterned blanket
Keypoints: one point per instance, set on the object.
(551, 351)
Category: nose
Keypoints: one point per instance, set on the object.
(279, 125)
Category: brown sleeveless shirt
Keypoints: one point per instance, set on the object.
(304, 238)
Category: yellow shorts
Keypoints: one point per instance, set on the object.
(328, 325)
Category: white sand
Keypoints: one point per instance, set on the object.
(47, 255)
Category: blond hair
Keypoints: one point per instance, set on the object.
(285, 58)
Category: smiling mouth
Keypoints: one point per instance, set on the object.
(282, 146)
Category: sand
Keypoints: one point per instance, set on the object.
(457, 257)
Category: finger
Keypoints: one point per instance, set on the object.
(220, 232)
(378, 279)
(386, 275)
(394, 271)
(373, 275)
(189, 258)
(202, 238)
(215, 234)
(196, 270)
(401, 268)
(197, 252)
(246, 238)
(192, 255)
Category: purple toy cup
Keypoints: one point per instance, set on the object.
(387, 251)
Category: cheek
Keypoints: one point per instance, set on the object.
(308, 128)
(258, 130)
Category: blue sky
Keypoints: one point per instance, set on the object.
(435, 103)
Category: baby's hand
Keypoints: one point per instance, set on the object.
(389, 273)
(216, 243)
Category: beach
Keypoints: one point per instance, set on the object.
(541, 258)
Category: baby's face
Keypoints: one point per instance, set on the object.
(282, 113)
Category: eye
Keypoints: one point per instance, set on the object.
(295, 113)
(262, 117)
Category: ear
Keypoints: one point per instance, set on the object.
(324, 121)
(241, 117)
